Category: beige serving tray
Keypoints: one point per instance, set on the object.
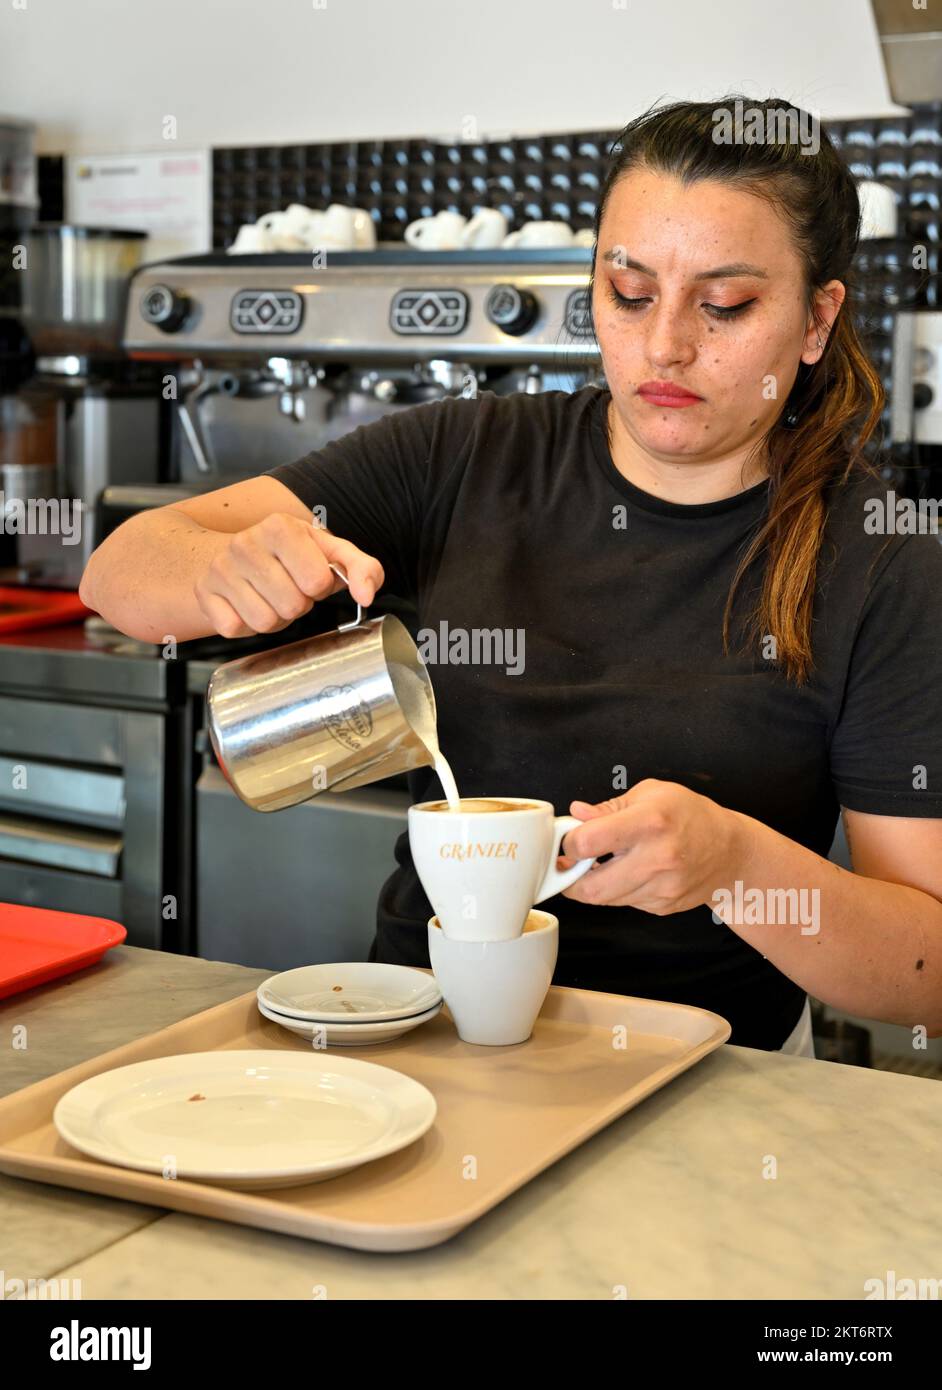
(504, 1114)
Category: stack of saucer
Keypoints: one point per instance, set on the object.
(356, 1004)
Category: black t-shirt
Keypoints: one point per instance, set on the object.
(507, 513)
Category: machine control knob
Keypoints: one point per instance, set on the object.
(922, 395)
(511, 310)
(164, 308)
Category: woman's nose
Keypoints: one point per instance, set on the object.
(671, 337)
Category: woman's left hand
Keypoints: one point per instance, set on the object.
(672, 848)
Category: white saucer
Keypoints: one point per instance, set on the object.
(245, 1119)
(361, 991)
(350, 1034)
(343, 1021)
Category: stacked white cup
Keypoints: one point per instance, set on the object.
(300, 228)
(483, 866)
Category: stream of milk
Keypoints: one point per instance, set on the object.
(413, 697)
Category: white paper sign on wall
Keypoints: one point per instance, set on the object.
(165, 194)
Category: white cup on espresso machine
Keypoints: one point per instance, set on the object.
(327, 713)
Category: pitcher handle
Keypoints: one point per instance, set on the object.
(345, 627)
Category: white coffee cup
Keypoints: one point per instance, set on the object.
(296, 219)
(541, 234)
(300, 228)
(283, 230)
(334, 229)
(364, 230)
(251, 239)
(483, 870)
(443, 232)
(487, 228)
(879, 210)
(494, 990)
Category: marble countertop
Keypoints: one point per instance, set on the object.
(673, 1200)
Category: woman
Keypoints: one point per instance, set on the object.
(719, 653)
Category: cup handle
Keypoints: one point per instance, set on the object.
(555, 881)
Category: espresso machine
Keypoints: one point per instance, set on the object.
(277, 354)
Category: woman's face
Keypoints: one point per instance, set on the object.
(716, 306)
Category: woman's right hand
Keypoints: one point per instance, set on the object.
(263, 578)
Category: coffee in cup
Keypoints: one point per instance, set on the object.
(484, 865)
(478, 805)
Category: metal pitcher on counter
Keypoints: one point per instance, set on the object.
(327, 713)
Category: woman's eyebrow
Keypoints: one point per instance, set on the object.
(722, 272)
(731, 271)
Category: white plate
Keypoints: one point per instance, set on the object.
(245, 1119)
(350, 1034)
(367, 991)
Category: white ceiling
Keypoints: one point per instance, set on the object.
(100, 75)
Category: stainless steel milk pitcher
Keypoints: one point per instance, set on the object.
(328, 713)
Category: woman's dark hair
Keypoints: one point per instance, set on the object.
(834, 405)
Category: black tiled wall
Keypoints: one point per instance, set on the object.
(906, 154)
(397, 181)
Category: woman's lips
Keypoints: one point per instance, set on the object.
(667, 393)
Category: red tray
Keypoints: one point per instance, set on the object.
(24, 608)
(37, 944)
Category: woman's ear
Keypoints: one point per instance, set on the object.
(827, 303)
